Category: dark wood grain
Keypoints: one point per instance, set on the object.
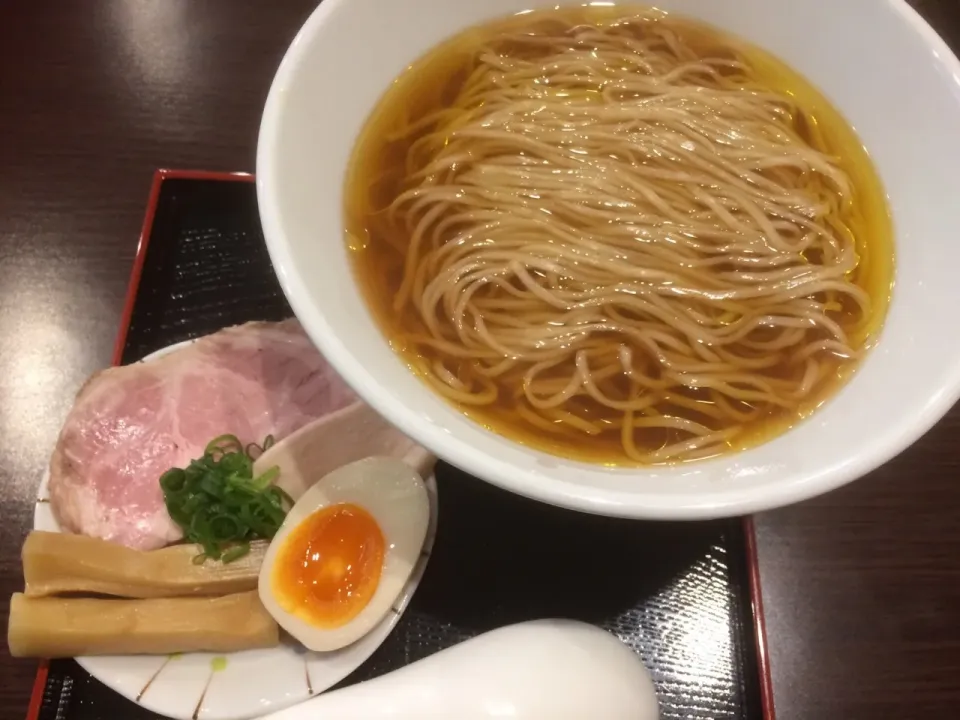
(862, 586)
(94, 96)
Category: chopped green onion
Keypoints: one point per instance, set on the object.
(254, 451)
(219, 503)
(235, 553)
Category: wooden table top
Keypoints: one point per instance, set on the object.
(861, 587)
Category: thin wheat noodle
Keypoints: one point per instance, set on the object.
(613, 232)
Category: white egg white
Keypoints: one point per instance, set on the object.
(395, 495)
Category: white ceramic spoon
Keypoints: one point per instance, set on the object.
(538, 670)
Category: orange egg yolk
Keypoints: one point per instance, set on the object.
(328, 567)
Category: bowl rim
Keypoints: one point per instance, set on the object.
(710, 504)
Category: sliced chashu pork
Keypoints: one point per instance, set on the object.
(335, 440)
(130, 424)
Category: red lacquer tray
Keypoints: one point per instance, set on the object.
(689, 602)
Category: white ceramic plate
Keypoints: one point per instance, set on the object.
(236, 686)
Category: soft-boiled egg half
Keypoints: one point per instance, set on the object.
(345, 552)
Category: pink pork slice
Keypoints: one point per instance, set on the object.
(130, 424)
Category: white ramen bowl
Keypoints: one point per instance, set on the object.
(892, 77)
